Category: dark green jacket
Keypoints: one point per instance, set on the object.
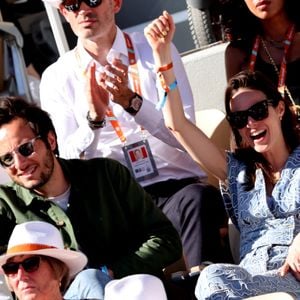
(114, 221)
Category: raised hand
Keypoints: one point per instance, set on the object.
(97, 96)
(116, 82)
(160, 32)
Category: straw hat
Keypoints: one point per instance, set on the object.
(41, 238)
(136, 287)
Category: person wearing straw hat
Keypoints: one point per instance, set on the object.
(36, 265)
(96, 204)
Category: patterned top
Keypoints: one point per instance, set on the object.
(267, 224)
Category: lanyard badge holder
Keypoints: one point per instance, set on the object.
(138, 155)
(140, 160)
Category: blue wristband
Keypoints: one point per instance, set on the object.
(163, 100)
(104, 269)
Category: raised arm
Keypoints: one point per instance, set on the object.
(159, 35)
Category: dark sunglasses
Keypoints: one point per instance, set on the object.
(74, 5)
(30, 265)
(26, 149)
(258, 112)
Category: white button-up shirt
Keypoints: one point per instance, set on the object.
(62, 92)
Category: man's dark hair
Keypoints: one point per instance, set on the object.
(39, 120)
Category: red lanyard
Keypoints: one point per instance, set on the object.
(283, 68)
(133, 69)
(115, 124)
(133, 72)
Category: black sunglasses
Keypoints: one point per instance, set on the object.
(258, 112)
(74, 5)
(26, 149)
(29, 264)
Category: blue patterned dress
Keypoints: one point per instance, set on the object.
(267, 225)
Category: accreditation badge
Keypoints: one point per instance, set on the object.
(140, 160)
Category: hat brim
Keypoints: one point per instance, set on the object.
(136, 286)
(74, 260)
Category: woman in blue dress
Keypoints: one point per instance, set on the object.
(259, 177)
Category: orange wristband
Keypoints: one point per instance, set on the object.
(165, 67)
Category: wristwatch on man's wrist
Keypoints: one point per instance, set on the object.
(135, 104)
(95, 124)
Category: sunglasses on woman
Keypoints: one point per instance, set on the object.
(258, 112)
(29, 264)
(25, 149)
(74, 5)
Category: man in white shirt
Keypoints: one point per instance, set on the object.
(102, 98)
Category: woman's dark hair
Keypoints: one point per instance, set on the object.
(289, 124)
(39, 120)
(241, 25)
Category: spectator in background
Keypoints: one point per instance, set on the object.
(102, 97)
(97, 206)
(264, 36)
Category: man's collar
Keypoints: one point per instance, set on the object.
(118, 49)
(25, 194)
(119, 45)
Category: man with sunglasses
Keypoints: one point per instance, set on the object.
(96, 204)
(102, 97)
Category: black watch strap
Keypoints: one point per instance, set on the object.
(95, 124)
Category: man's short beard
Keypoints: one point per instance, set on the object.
(48, 165)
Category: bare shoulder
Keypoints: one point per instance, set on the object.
(235, 58)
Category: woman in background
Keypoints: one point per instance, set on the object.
(265, 36)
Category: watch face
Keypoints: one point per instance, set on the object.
(136, 103)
